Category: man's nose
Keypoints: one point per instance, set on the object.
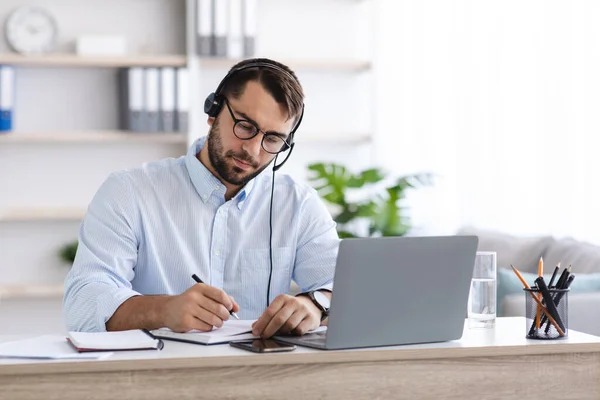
(253, 146)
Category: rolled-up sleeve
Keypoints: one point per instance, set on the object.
(100, 278)
(318, 244)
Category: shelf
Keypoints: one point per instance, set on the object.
(334, 138)
(93, 137)
(30, 291)
(317, 65)
(73, 60)
(41, 214)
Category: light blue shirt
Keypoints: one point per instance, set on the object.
(147, 230)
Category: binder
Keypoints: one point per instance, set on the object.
(204, 27)
(131, 82)
(152, 97)
(235, 39)
(167, 100)
(7, 97)
(221, 19)
(182, 100)
(249, 27)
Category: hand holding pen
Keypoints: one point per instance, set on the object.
(231, 311)
(202, 307)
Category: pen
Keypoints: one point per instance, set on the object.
(539, 311)
(559, 296)
(541, 285)
(556, 269)
(198, 280)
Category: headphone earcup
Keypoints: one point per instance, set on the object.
(212, 105)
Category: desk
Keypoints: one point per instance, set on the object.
(511, 367)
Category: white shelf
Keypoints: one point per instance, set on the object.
(42, 214)
(334, 138)
(93, 137)
(30, 291)
(317, 64)
(73, 60)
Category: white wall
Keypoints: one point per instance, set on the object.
(501, 100)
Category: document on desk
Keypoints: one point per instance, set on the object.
(231, 330)
(47, 347)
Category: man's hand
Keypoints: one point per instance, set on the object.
(201, 307)
(288, 314)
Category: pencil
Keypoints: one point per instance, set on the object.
(538, 325)
(552, 321)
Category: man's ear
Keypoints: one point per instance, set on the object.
(211, 121)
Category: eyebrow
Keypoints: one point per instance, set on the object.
(245, 116)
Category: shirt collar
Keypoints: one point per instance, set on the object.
(205, 182)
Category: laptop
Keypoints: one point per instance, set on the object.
(397, 290)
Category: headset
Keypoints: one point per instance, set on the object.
(214, 104)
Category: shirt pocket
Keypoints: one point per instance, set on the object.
(254, 271)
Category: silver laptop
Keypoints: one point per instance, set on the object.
(397, 290)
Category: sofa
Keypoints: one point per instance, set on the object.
(525, 252)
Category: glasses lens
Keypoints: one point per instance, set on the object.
(244, 130)
(273, 144)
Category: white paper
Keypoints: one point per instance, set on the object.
(49, 347)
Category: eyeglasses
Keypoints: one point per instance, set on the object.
(245, 130)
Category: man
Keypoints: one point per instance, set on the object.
(148, 230)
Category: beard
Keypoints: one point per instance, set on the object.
(223, 164)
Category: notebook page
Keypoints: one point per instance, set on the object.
(229, 328)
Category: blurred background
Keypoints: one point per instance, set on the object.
(481, 116)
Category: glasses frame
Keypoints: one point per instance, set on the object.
(237, 121)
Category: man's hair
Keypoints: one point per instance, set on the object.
(284, 87)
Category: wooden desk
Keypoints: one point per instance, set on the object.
(484, 364)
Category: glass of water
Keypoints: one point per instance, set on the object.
(481, 308)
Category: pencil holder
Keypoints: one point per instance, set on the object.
(538, 325)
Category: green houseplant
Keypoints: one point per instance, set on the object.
(381, 211)
(67, 252)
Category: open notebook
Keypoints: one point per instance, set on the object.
(231, 330)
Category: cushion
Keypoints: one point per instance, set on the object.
(508, 283)
(522, 252)
(583, 257)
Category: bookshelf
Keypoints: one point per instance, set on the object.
(92, 137)
(34, 214)
(11, 292)
(75, 61)
(64, 159)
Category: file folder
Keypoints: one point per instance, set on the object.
(7, 97)
(131, 81)
(235, 39)
(167, 100)
(152, 97)
(221, 11)
(204, 27)
(182, 100)
(249, 27)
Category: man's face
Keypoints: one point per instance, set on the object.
(239, 161)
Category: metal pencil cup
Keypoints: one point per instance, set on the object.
(538, 325)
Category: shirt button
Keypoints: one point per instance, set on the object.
(205, 197)
(217, 187)
(217, 253)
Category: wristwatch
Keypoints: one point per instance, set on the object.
(320, 300)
